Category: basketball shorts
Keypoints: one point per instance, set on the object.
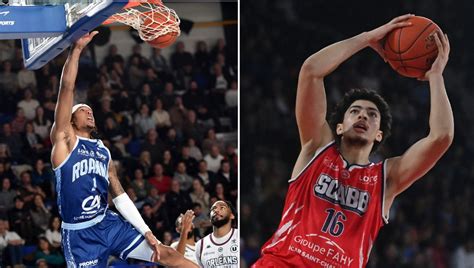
(92, 246)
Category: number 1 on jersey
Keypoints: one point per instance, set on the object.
(334, 222)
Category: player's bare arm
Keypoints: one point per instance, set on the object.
(403, 170)
(311, 104)
(186, 227)
(162, 254)
(62, 135)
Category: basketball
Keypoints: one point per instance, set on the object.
(411, 50)
(159, 20)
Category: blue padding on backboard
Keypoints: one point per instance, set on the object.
(82, 26)
(18, 22)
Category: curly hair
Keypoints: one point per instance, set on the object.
(362, 94)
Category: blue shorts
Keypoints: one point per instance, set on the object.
(92, 246)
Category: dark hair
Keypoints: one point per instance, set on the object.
(362, 94)
(234, 212)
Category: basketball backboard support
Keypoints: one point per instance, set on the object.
(81, 16)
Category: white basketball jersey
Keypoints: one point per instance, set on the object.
(220, 252)
(189, 252)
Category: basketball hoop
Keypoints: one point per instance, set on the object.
(150, 18)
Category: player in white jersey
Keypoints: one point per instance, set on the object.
(85, 173)
(186, 244)
(221, 247)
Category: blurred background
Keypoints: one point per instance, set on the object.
(168, 116)
(430, 223)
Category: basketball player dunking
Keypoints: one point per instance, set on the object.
(221, 247)
(84, 173)
(337, 199)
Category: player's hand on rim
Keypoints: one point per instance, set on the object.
(437, 68)
(82, 42)
(377, 35)
(154, 243)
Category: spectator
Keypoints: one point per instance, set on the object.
(19, 121)
(53, 233)
(28, 104)
(211, 140)
(8, 79)
(168, 96)
(52, 257)
(145, 97)
(190, 162)
(202, 57)
(228, 179)
(14, 142)
(178, 114)
(199, 195)
(113, 57)
(43, 177)
(145, 163)
(168, 163)
(20, 220)
(161, 182)
(33, 144)
(26, 78)
(40, 215)
(7, 195)
(191, 128)
(180, 57)
(177, 201)
(194, 151)
(159, 62)
(41, 124)
(140, 185)
(181, 175)
(10, 246)
(213, 159)
(27, 189)
(160, 116)
(143, 121)
(154, 145)
(207, 177)
(201, 220)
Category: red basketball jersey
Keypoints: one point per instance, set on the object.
(332, 215)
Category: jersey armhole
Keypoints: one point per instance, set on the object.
(384, 183)
(316, 154)
(200, 250)
(68, 156)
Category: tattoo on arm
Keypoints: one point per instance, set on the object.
(115, 188)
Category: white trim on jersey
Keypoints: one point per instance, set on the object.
(316, 154)
(85, 224)
(87, 139)
(384, 171)
(68, 156)
(131, 245)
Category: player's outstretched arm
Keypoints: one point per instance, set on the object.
(423, 155)
(172, 258)
(186, 227)
(62, 114)
(311, 97)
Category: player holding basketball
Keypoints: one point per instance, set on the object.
(221, 247)
(337, 199)
(85, 172)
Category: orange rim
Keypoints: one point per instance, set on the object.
(132, 4)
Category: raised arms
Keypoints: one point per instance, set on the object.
(311, 97)
(403, 170)
(61, 131)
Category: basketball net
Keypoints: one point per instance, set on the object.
(150, 18)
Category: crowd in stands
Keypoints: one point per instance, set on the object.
(170, 124)
(431, 223)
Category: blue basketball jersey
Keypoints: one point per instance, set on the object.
(82, 182)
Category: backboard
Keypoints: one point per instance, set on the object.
(81, 16)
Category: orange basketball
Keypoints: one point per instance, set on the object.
(159, 20)
(412, 49)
